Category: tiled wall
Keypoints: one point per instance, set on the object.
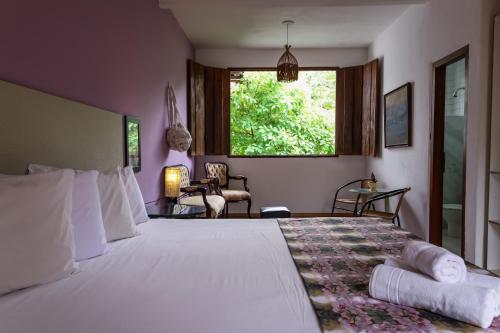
(454, 132)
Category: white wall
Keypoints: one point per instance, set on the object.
(422, 35)
(305, 185)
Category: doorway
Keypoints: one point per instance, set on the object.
(449, 127)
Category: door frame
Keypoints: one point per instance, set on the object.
(437, 147)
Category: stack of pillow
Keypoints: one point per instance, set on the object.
(432, 278)
(54, 218)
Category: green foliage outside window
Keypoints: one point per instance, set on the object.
(274, 118)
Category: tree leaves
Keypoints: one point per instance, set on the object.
(273, 118)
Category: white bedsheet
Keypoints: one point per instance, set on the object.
(178, 276)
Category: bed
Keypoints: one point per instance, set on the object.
(228, 276)
(177, 276)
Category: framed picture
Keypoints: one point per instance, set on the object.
(133, 143)
(397, 117)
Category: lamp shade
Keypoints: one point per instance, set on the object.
(172, 182)
(288, 67)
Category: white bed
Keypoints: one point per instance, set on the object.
(177, 276)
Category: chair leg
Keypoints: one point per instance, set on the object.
(248, 208)
(399, 221)
(226, 210)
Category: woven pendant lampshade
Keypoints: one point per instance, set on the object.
(288, 66)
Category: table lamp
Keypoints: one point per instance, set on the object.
(172, 183)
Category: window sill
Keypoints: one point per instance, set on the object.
(282, 156)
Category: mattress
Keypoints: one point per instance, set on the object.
(177, 276)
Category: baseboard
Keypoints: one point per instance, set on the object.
(257, 215)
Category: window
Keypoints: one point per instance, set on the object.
(271, 118)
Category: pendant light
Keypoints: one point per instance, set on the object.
(288, 66)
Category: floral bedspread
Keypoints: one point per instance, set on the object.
(335, 257)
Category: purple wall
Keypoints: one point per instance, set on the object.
(115, 54)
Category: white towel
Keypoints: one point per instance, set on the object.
(438, 263)
(398, 263)
(461, 301)
(474, 279)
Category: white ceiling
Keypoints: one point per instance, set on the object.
(257, 23)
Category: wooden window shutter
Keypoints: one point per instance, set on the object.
(370, 107)
(357, 109)
(196, 107)
(348, 116)
(217, 108)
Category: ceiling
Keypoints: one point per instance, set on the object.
(257, 23)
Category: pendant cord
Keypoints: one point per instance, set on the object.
(287, 34)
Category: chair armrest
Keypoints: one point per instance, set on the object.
(212, 183)
(198, 189)
(343, 187)
(350, 183)
(381, 197)
(241, 177)
(204, 181)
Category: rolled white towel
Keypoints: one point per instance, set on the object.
(474, 279)
(461, 301)
(437, 262)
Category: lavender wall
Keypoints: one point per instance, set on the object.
(116, 54)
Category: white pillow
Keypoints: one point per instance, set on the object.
(88, 227)
(36, 236)
(116, 212)
(134, 195)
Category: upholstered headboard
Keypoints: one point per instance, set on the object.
(36, 127)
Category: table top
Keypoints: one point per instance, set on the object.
(367, 190)
(167, 209)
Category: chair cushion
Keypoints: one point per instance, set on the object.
(236, 195)
(218, 170)
(216, 203)
(185, 179)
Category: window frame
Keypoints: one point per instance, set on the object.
(273, 69)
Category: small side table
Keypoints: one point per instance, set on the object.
(167, 209)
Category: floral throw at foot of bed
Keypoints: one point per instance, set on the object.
(335, 257)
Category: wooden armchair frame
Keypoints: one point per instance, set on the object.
(226, 185)
(201, 187)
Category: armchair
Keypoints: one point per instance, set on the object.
(393, 216)
(352, 203)
(220, 170)
(194, 192)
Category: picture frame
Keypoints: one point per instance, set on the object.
(398, 117)
(133, 142)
